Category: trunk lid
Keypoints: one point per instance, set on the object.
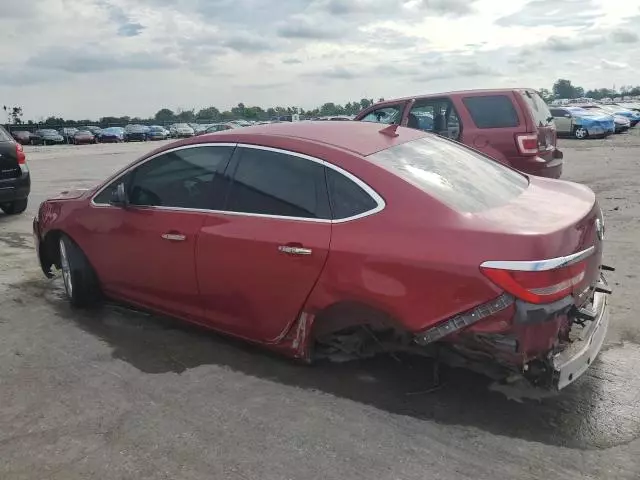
(550, 219)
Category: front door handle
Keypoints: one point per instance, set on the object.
(174, 237)
(295, 250)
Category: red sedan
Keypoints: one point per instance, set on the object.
(345, 238)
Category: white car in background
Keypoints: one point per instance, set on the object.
(181, 130)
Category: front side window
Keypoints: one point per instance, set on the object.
(492, 111)
(558, 112)
(388, 115)
(274, 183)
(181, 178)
(455, 175)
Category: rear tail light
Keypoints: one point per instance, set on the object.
(539, 282)
(527, 143)
(22, 158)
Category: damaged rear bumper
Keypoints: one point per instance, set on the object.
(572, 362)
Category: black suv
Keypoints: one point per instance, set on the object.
(15, 182)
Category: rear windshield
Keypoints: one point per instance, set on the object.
(538, 108)
(457, 176)
(492, 111)
(4, 135)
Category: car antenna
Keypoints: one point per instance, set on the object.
(390, 130)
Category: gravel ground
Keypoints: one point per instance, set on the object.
(117, 394)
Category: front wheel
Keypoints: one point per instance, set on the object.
(14, 208)
(581, 133)
(80, 280)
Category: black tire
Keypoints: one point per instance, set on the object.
(79, 278)
(15, 208)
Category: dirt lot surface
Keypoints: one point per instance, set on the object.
(116, 394)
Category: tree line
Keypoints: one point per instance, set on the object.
(562, 88)
(167, 116)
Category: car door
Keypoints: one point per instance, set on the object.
(259, 258)
(563, 120)
(145, 252)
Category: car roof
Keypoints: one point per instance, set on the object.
(363, 138)
(488, 91)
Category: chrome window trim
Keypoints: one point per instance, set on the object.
(380, 203)
(540, 265)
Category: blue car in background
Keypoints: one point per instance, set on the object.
(580, 123)
(633, 116)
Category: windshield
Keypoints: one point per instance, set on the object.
(457, 176)
(182, 125)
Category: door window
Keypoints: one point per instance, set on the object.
(273, 183)
(388, 115)
(435, 115)
(181, 178)
(348, 199)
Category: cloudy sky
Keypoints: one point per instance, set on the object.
(91, 58)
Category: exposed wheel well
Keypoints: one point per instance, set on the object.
(354, 330)
(49, 251)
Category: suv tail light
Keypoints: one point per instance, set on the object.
(539, 282)
(22, 158)
(527, 143)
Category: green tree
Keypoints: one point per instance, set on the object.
(210, 113)
(164, 115)
(564, 89)
(186, 116)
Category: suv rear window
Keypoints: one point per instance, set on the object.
(457, 176)
(538, 108)
(4, 135)
(492, 111)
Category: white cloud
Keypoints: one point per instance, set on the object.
(116, 57)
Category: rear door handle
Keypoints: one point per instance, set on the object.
(295, 250)
(174, 237)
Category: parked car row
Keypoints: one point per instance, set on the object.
(593, 120)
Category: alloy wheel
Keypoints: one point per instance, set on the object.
(66, 269)
(581, 133)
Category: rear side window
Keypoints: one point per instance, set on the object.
(492, 111)
(274, 183)
(348, 199)
(538, 108)
(455, 175)
(4, 135)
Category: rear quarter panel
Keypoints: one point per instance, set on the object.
(412, 260)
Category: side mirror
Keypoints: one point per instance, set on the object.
(119, 197)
